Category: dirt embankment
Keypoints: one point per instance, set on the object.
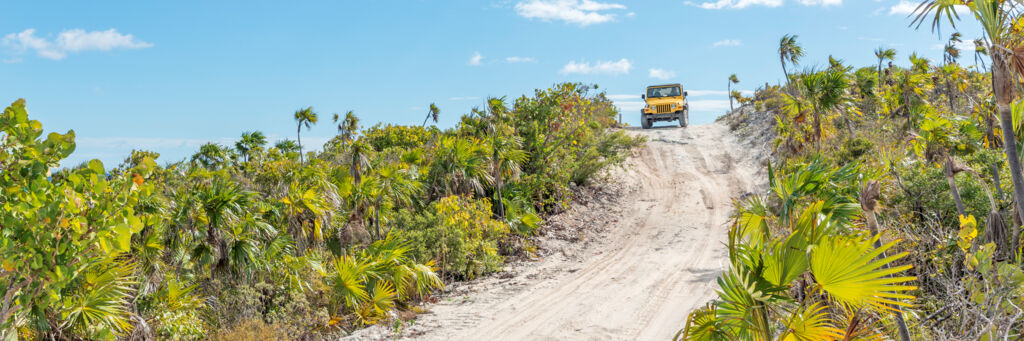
(628, 261)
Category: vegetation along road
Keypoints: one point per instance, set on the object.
(652, 267)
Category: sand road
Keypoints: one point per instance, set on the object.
(648, 270)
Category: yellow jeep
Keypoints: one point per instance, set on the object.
(665, 103)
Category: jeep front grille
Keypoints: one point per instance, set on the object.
(664, 108)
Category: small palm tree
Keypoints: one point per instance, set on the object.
(434, 113)
(287, 146)
(460, 167)
(732, 80)
(348, 125)
(882, 55)
(395, 184)
(249, 142)
(825, 90)
(789, 51)
(304, 117)
(211, 156)
(222, 203)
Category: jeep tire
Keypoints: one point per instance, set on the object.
(684, 118)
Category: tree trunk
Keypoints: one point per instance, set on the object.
(1002, 86)
(951, 179)
(298, 137)
(879, 75)
(868, 202)
(949, 94)
(996, 181)
(376, 217)
(817, 127)
(784, 72)
(729, 90)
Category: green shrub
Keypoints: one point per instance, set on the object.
(464, 239)
(853, 149)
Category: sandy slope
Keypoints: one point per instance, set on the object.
(638, 278)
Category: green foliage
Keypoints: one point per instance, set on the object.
(263, 241)
(853, 149)
(62, 239)
(398, 136)
(465, 240)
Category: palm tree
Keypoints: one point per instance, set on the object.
(869, 203)
(348, 125)
(249, 142)
(304, 117)
(997, 20)
(732, 80)
(395, 184)
(433, 113)
(950, 51)
(789, 51)
(222, 203)
(825, 90)
(287, 146)
(211, 156)
(979, 51)
(882, 55)
(844, 268)
(460, 167)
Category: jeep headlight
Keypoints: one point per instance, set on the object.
(673, 106)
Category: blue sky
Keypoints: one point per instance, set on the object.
(170, 76)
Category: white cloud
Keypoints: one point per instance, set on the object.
(727, 42)
(476, 59)
(660, 74)
(71, 41)
(604, 67)
(709, 105)
(962, 46)
(620, 97)
(515, 59)
(736, 4)
(629, 105)
(824, 3)
(905, 7)
(723, 93)
(583, 13)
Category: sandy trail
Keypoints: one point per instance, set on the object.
(640, 277)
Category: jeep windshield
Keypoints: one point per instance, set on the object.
(663, 92)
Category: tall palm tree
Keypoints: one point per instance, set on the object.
(434, 113)
(882, 55)
(979, 51)
(997, 20)
(789, 51)
(304, 117)
(732, 80)
(348, 125)
(951, 52)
